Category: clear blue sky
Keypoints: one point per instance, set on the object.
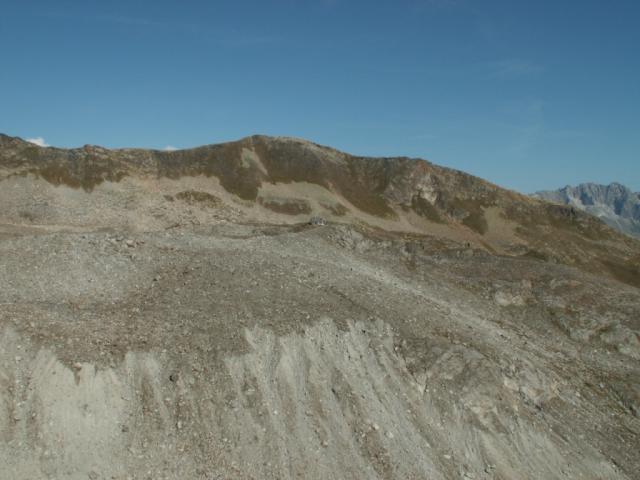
(527, 94)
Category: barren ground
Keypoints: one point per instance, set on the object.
(247, 351)
(165, 328)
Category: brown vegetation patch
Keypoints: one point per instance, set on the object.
(221, 161)
(425, 209)
(628, 273)
(470, 211)
(476, 222)
(28, 216)
(86, 176)
(536, 254)
(563, 218)
(286, 206)
(204, 199)
(366, 183)
(362, 181)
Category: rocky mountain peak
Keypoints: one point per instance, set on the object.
(615, 204)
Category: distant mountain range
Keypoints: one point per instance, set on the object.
(615, 204)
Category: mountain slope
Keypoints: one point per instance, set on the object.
(174, 315)
(615, 204)
(288, 180)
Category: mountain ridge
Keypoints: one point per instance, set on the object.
(288, 180)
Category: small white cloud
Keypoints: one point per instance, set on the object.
(169, 148)
(38, 141)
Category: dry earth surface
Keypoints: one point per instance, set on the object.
(172, 315)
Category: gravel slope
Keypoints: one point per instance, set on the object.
(243, 351)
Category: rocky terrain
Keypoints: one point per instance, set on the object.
(615, 204)
(174, 315)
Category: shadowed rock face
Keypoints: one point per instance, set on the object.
(615, 204)
(177, 315)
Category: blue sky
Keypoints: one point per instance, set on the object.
(527, 94)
